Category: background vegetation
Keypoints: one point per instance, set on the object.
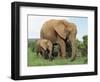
(82, 55)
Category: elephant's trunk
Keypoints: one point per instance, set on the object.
(72, 40)
(73, 50)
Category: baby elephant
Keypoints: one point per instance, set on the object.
(44, 48)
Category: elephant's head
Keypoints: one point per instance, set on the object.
(65, 29)
(46, 48)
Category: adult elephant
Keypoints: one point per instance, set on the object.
(60, 31)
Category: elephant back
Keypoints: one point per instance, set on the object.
(47, 31)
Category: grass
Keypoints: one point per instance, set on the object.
(34, 60)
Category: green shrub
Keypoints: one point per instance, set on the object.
(82, 46)
(32, 45)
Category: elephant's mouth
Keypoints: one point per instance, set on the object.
(46, 52)
(46, 55)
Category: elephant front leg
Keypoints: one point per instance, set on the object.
(63, 47)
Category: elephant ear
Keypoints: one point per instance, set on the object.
(60, 28)
(43, 44)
